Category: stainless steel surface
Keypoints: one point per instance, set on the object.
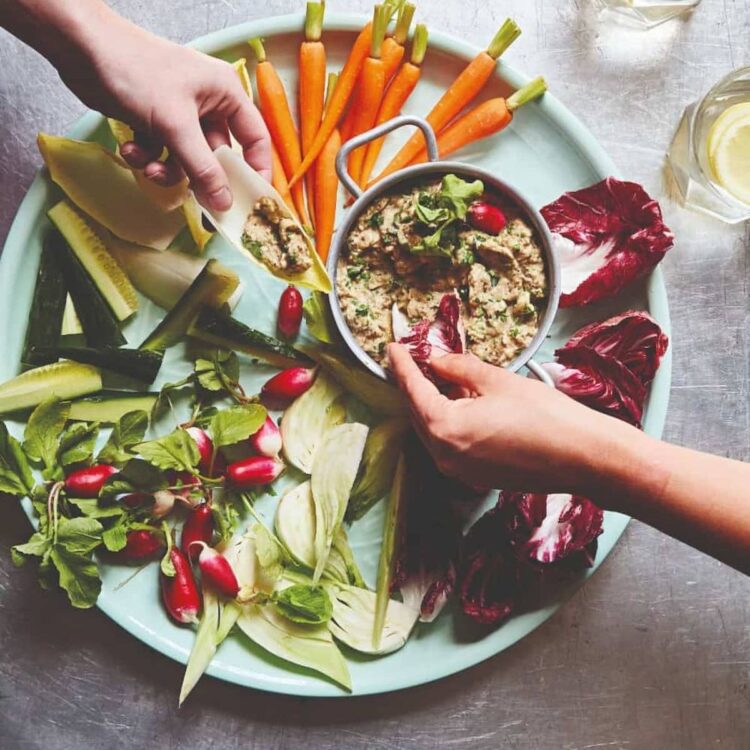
(420, 172)
(651, 654)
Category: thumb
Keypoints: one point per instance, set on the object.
(467, 371)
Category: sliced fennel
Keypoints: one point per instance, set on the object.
(247, 188)
(354, 615)
(307, 420)
(307, 646)
(205, 644)
(102, 185)
(333, 473)
(341, 565)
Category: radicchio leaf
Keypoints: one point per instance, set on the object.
(432, 339)
(633, 338)
(599, 382)
(550, 528)
(607, 235)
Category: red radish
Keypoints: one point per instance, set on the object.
(216, 571)
(211, 464)
(254, 472)
(141, 545)
(88, 482)
(198, 527)
(163, 503)
(290, 312)
(182, 483)
(289, 384)
(180, 592)
(267, 440)
(135, 499)
(486, 217)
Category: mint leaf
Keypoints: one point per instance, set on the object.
(128, 431)
(305, 604)
(236, 423)
(174, 451)
(42, 435)
(77, 443)
(15, 473)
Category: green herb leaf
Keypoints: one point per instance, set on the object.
(77, 443)
(128, 431)
(236, 423)
(458, 194)
(115, 538)
(174, 451)
(304, 604)
(15, 473)
(42, 435)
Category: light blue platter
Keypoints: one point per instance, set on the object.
(545, 152)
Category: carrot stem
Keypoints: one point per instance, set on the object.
(380, 19)
(405, 17)
(508, 33)
(419, 44)
(314, 14)
(532, 90)
(333, 79)
(256, 45)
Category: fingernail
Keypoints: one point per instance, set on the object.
(220, 199)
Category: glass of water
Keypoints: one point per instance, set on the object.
(647, 13)
(710, 152)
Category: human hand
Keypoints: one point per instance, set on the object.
(171, 96)
(504, 430)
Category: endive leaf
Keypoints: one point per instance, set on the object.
(103, 186)
(247, 188)
(167, 198)
(333, 473)
(205, 644)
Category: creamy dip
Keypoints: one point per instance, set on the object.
(500, 278)
(275, 239)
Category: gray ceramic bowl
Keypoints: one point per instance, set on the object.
(436, 168)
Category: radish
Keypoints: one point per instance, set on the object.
(141, 545)
(198, 527)
(267, 440)
(163, 503)
(486, 217)
(179, 592)
(135, 499)
(87, 482)
(216, 571)
(212, 463)
(255, 471)
(290, 312)
(289, 384)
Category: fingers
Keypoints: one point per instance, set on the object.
(187, 142)
(466, 371)
(251, 133)
(136, 155)
(423, 394)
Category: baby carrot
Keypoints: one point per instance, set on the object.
(459, 94)
(280, 182)
(392, 54)
(312, 82)
(397, 95)
(274, 107)
(344, 88)
(488, 118)
(326, 187)
(371, 87)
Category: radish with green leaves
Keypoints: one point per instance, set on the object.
(289, 384)
(212, 463)
(88, 482)
(255, 471)
(267, 440)
(216, 570)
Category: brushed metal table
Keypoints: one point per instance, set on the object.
(653, 652)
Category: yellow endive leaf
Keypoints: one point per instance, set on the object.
(167, 198)
(194, 219)
(241, 68)
(103, 186)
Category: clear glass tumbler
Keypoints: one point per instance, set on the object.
(688, 154)
(647, 13)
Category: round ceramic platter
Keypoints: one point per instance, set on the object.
(545, 152)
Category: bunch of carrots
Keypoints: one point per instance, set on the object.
(372, 87)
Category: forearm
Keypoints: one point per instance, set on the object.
(701, 499)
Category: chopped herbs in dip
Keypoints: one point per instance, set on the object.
(411, 247)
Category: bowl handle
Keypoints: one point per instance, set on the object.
(540, 373)
(376, 132)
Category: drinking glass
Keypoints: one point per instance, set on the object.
(688, 154)
(647, 13)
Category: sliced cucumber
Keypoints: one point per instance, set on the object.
(47, 306)
(213, 286)
(222, 330)
(100, 326)
(111, 281)
(136, 363)
(71, 325)
(108, 406)
(61, 379)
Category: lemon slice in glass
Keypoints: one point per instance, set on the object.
(728, 148)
